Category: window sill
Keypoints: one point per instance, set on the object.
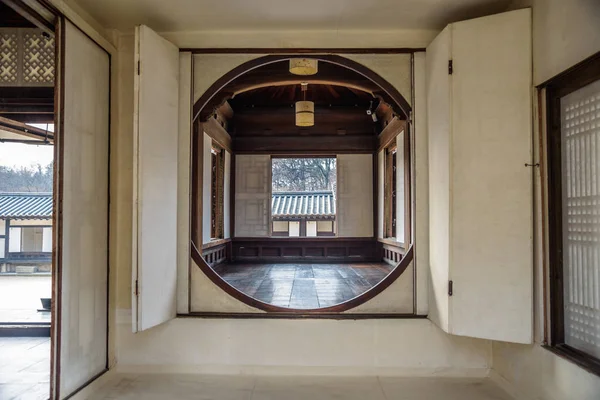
(585, 361)
(215, 243)
(391, 242)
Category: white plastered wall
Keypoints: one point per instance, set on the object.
(564, 34)
(227, 197)
(380, 192)
(355, 203)
(206, 187)
(400, 187)
(296, 346)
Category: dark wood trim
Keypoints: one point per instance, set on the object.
(338, 308)
(567, 82)
(299, 239)
(31, 15)
(585, 361)
(57, 231)
(543, 217)
(232, 197)
(217, 133)
(407, 186)
(306, 144)
(389, 133)
(197, 178)
(325, 50)
(299, 315)
(579, 75)
(21, 128)
(6, 236)
(375, 185)
(386, 87)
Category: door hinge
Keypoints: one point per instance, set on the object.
(137, 290)
(138, 67)
(450, 67)
(450, 288)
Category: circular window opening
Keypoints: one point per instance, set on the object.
(300, 184)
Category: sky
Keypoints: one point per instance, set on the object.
(20, 155)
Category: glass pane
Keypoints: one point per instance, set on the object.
(580, 120)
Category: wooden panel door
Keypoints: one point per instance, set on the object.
(480, 187)
(438, 122)
(492, 242)
(252, 195)
(156, 118)
(81, 213)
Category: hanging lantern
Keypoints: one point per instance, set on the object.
(305, 113)
(304, 66)
(305, 110)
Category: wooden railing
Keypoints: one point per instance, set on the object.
(217, 252)
(392, 251)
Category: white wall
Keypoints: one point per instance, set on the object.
(311, 228)
(414, 347)
(294, 229)
(47, 239)
(227, 197)
(400, 187)
(355, 195)
(564, 34)
(14, 240)
(206, 188)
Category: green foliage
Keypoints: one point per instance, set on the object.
(37, 178)
(304, 174)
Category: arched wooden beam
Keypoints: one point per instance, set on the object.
(298, 81)
(345, 306)
(390, 92)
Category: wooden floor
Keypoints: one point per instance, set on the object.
(303, 286)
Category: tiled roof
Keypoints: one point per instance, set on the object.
(320, 205)
(26, 205)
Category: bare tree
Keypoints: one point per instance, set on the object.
(37, 178)
(304, 174)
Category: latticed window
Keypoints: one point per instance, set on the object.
(574, 206)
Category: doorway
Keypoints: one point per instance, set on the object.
(27, 80)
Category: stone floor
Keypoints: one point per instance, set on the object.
(20, 298)
(24, 368)
(183, 387)
(303, 286)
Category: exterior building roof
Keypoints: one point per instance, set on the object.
(26, 205)
(307, 205)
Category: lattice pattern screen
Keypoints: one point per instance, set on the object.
(580, 116)
(26, 57)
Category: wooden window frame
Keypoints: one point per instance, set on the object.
(568, 82)
(217, 192)
(302, 221)
(389, 191)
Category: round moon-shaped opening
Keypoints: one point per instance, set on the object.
(308, 209)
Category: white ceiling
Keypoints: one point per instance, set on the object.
(266, 15)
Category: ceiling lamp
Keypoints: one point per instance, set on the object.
(304, 66)
(305, 110)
